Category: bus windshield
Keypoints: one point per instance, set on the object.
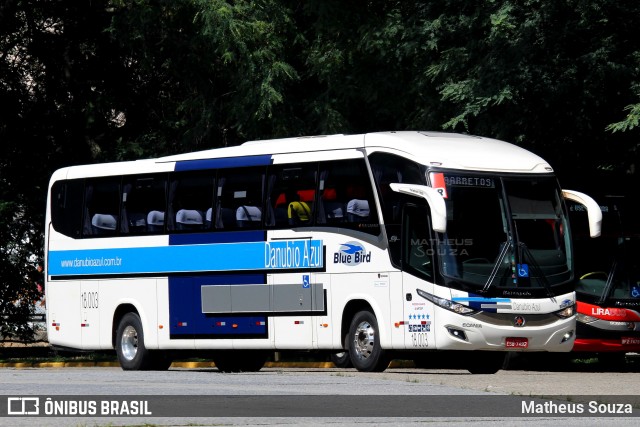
(608, 268)
(618, 281)
(503, 232)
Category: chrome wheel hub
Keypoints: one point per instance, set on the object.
(129, 342)
(364, 340)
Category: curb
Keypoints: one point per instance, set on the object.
(186, 365)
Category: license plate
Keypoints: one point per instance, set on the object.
(630, 341)
(514, 342)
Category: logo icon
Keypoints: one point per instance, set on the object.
(523, 270)
(518, 321)
(23, 406)
(351, 253)
(566, 303)
(351, 248)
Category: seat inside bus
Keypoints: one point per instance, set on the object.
(189, 219)
(103, 223)
(358, 210)
(246, 216)
(155, 221)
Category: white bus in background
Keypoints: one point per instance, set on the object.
(376, 244)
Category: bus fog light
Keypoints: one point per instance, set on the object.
(458, 334)
(566, 337)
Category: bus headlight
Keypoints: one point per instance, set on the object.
(446, 304)
(583, 318)
(566, 312)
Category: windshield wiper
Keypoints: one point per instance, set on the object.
(608, 285)
(496, 266)
(536, 268)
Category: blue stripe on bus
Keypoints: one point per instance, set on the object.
(223, 163)
(240, 256)
(490, 305)
(480, 299)
(185, 309)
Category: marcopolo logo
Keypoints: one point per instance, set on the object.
(351, 253)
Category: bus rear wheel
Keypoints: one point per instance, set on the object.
(364, 344)
(132, 354)
(341, 359)
(240, 360)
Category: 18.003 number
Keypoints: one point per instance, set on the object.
(419, 339)
(89, 299)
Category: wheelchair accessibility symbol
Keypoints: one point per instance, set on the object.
(305, 281)
(523, 270)
(635, 292)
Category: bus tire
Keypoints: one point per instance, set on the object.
(341, 360)
(485, 362)
(132, 354)
(239, 360)
(364, 344)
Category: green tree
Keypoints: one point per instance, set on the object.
(85, 82)
(548, 75)
(108, 80)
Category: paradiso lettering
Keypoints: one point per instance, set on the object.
(293, 254)
(351, 253)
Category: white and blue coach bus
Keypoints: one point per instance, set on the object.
(375, 244)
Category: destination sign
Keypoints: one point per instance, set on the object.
(469, 181)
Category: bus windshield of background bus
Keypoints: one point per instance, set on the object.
(608, 268)
(613, 274)
(504, 232)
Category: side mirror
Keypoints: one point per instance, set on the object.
(594, 213)
(433, 198)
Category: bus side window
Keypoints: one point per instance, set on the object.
(346, 196)
(143, 204)
(291, 195)
(102, 207)
(66, 207)
(240, 198)
(417, 252)
(190, 200)
(387, 169)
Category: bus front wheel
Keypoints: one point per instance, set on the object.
(364, 344)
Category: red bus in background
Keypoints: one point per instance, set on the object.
(608, 280)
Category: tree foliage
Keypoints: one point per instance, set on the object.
(109, 80)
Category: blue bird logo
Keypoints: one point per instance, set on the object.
(351, 248)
